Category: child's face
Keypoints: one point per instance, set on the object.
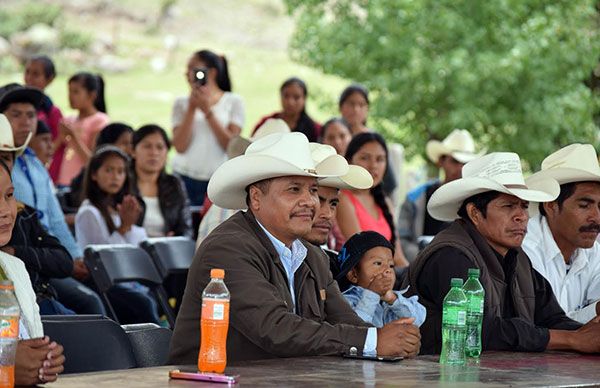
(79, 97)
(375, 271)
(111, 175)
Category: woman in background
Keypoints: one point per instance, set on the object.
(370, 209)
(78, 133)
(165, 205)
(336, 133)
(293, 93)
(204, 122)
(354, 108)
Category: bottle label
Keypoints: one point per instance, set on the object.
(454, 316)
(215, 309)
(9, 327)
(476, 305)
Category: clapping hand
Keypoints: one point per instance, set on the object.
(129, 210)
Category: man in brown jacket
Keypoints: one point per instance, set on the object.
(284, 302)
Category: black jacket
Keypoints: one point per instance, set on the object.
(173, 202)
(43, 255)
(520, 306)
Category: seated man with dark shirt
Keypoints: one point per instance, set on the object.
(284, 301)
(521, 312)
(450, 155)
(329, 190)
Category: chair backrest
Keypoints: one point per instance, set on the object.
(150, 343)
(111, 264)
(91, 345)
(171, 255)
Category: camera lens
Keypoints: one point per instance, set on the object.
(200, 75)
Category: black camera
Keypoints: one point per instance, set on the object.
(200, 75)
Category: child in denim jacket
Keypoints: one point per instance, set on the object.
(366, 278)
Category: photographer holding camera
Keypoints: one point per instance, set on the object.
(204, 122)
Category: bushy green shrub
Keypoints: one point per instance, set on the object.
(25, 16)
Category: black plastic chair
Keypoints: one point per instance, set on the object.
(171, 255)
(91, 343)
(113, 264)
(150, 343)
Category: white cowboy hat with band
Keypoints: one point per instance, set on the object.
(7, 142)
(498, 171)
(238, 145)
(275, 155)
(458, 144)
(573, 163)
(357, 177)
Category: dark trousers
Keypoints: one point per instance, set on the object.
(77, 297)
(53, 307)
(133, 303)
(196, 190)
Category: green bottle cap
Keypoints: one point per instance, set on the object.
(474, 272)
(456, 282)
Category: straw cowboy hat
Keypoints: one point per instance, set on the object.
(498, 171)
(459, 144)
(573, 163)
(238, 145)
(275, 155)
(7, 142)
(356, 178)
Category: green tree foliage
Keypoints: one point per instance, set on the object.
(510, 71)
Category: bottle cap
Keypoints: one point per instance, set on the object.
(217, 273)
(474, 272)
(456, 282)
(6, 285)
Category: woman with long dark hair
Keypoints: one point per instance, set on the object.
(108, 216)
(78, 133)
(369, 209)
(354, 108)
(165, 205)
(293, 93)
(204, 122)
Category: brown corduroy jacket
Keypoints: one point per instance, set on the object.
(262, 321)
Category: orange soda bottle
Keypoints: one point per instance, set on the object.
(214, 324)
(9, 333)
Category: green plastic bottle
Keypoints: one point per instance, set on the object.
(475, 295)
(454, 325)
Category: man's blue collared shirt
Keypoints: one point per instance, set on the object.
(290, 258)
(33, 186)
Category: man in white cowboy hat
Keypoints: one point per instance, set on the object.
(33, 187)
(488, 207)
(329, 189)
(449, 155)
(284, 302)
(561, 239)
(215, 215)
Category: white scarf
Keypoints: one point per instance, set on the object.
(30, 311)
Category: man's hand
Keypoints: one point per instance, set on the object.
(80, 270)
(587, 338)
(399, 338)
